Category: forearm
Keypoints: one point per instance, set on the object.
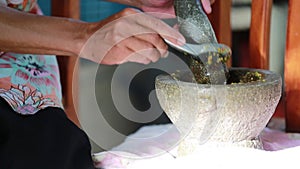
(27, 33)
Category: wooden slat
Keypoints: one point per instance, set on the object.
(221, 23)
(260, 33)
(66, 8)
(292, 68)
(220, 19)
(67, 65)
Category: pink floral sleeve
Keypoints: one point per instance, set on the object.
(29, 82)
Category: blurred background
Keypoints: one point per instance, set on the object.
(143, 83)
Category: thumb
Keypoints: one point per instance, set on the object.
(206, 6)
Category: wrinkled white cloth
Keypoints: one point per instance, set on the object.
(156, 147)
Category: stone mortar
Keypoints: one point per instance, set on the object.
(219, 115)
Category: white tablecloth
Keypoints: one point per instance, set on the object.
(155, 147)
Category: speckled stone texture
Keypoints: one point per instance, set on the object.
(193, 22)
(220, 115)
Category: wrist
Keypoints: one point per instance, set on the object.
(81, 38)
(79, 35)
(71, 36)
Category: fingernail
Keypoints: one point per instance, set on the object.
(137, 10)
(208, 10)
(165, 55)
(206, 6)
(181, 41)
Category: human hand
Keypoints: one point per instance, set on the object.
(207, 5)
(128, 36)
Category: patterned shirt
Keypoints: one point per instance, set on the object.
(29, 82)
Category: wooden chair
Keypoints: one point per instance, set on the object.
(259, 49)
(259, 54)
(67, 64)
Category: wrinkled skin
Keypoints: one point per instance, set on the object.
(142, 42)
(123, 37)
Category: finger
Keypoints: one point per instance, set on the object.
(156, 41)
(116, 55)
(206, 5)
(150, 24)
(151, 54)
(138, 58)
(146, 49)
(131, 50)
